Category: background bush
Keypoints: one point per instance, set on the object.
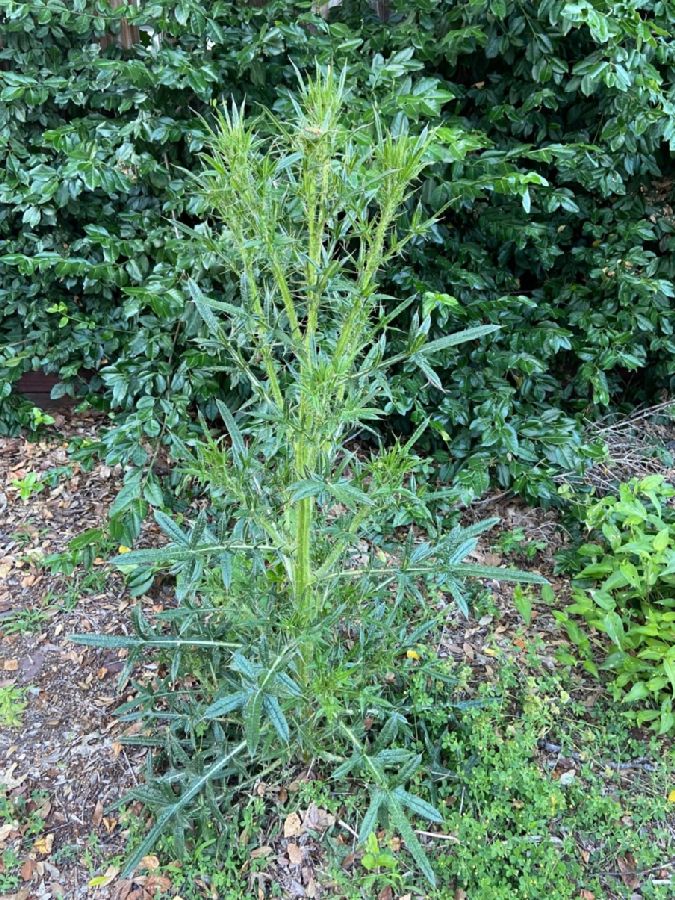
(555, 163)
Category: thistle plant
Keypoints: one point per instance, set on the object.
(296, 596)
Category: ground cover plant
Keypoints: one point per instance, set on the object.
(624, 580)
(589, 814)
(292, 608)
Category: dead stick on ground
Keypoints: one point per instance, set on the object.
(439, 837)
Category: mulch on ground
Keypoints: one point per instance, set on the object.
(65, 754)
(65, 761)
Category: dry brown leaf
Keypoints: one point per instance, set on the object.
(150, 862)
(122, 890)
(27, 869)
(8, 779)
(318, 819)
(292, 826)
(97, 817)
(10, 665)
(43, 808)
(261, 852)
(157, 884)
(626, 866)
(294, 854)
(44, 844)
(6, 830)
(349, 861)
(586, 895)
(386, 894)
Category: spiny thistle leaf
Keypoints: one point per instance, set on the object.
(404, 828)
(468, 570)
(170, 812)
(459, 337)
(370, 819)
(276, 717)
(225, 705)
(418, 806)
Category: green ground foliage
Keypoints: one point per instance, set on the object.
(625, 574)
(553, 166)
(523, 823)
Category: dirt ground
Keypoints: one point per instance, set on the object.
(63, 761)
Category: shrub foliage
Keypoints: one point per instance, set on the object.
(553, 162)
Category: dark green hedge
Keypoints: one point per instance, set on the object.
(555, 161)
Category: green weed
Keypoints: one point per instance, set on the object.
(12, 706)
(28, 486)
(624, 592)
(516, 543)
(295, 596)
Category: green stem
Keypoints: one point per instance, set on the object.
(303, 531)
